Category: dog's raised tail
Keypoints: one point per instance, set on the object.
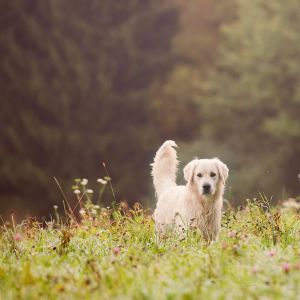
(164, 167)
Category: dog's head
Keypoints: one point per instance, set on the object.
(206, 176)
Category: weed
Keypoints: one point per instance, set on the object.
(112, 253)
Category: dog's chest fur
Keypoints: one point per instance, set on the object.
(206, 215)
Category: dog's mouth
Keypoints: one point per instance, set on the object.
(207, 193)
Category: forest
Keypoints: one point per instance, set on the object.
(87, 82)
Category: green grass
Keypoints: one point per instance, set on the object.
(115, 255)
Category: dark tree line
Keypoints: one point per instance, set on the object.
(76, 81)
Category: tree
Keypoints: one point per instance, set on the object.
(76, 79)
(254, 97)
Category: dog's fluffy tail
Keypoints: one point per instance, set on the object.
(164, 167)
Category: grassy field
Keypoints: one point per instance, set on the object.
(108, 254)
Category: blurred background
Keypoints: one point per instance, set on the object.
(89, 81)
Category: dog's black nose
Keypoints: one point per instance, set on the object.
(206, 188)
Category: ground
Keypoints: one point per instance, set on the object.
(113, 254)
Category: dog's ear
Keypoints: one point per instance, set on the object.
(188, 171)
(222, 169)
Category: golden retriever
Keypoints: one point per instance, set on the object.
(196, 204)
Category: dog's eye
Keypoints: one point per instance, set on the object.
(199, 175)
(212, 174)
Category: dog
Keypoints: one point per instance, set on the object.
(196, 204)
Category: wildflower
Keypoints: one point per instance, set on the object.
(76, 192)
(84, 181)
(96, 206)
(102, 181)
(116, 251)
(232, 234)
(55, 207)
(286, 267)
(17, 237)
(255, 270)
(89, 191)
(82, 212)
(271, 253)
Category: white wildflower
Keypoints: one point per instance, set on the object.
(77, 192)
(82, 212)
(102, 181)
(84, 181)
(55, 207)
(89, 191)
(96, 206)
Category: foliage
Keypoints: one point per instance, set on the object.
(252, 99)
(114, 254)
(77, 81)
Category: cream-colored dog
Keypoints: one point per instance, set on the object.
(198, 203)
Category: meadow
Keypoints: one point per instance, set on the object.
(88, 82)
(112, 253)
